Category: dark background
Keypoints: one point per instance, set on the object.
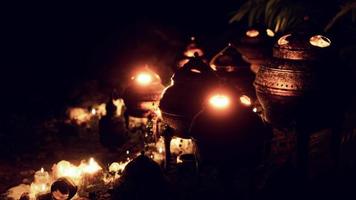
(52, 47)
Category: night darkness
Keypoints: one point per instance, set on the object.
(59, 56)
(52, 47)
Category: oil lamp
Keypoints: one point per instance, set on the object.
(227, 129)
(255, 46)
(184, 98)
(291, 84)
(142, 95)
(230, 66)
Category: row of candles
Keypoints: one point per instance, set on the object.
(90, 172)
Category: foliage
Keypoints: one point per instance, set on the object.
(281, 15)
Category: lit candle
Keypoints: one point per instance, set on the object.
(42, 177)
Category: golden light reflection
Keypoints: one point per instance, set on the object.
(195, 71)
(245, 100)
(190, 52)
(270, 33)
(320, 41)
(252, 33)
(144, 79)
(219, 101)
(283, 40)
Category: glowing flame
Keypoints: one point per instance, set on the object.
(93, 111)
(219, 101)
(144, 78)
(92, 167)
(283, 40)
(160, 149)
(252, 33)
(270, 33)
(320, 41)
(79, 115)
(42, 170)
(254, 109)
(76, 173)
(245, 100)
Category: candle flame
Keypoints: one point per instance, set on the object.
(93, 111)
(219, 101)
(144, 78)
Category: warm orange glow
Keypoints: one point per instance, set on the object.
(219, 101)
(213, 67)
(76, 173)
(195, 71)
(179, 160)
(270, 33)
(190, 53)
(144, 78)
(92, 167)
(93, 111)
(245, 100)
(320, 41)
(117, 167)
(252, 33)
(283, 40)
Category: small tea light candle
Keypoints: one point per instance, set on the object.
(42, 177)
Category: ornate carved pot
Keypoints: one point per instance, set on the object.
(143, 93)
(290, 86)
(184, 98)
(255, 47)
(230, 66)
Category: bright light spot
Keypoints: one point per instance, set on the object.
(190, 53)
(117, 167)
(252, 33)
(283, 40)
(93, 111)
(195, 71)
(245, 100)
(213, 67)
(254, 109)
(269, 32)
(320, 41)
(144, 79)
(179, 160)
(42, 170)
(219, 101)
(160, 150)
(92, 167)
(127, 152)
